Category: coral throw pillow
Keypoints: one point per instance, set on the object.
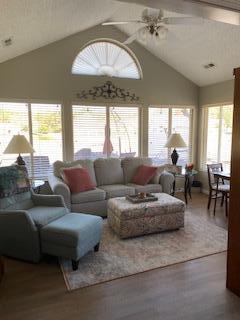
(144, 174)
(78, 179)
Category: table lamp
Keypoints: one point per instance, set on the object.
(17, 145)
(175, 140)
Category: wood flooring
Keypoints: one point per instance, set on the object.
(191, 290)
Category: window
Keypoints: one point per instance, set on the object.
(46, 137)
(124, 131)
(161, 123)
(100, 131)
(217, 135)
(88, 132)
(13, 120)
(107, 58)
(41, 124)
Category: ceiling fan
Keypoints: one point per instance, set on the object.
(154, 24)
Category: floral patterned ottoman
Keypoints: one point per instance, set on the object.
(131, 220)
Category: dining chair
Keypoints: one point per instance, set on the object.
(215, 190)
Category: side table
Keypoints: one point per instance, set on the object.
(188, 180)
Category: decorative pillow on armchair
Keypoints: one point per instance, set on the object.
(144, 174)
(78, 179)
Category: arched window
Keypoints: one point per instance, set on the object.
(104, 57)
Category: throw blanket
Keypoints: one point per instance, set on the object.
(13, 180)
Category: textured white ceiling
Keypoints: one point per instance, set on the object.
(188, 48)
(35, 23)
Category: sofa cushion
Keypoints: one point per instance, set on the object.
(88, 196)
(149, 188)
(117, 190)
(130, 166)
(144, 174)
(108, 171)
(42, 215)
(87, 164)
(78, 179)
(73, 230)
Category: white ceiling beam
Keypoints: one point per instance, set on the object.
(220, 10)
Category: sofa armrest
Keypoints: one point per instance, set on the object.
(59, 187)
(19, 236)
(166, 181)
(48, 200)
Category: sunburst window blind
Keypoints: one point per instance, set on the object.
(107, 58)
(13, 120)
(100, 131)
(162, 122)
(217, 135)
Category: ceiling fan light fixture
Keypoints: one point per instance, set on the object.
(162, 32)
(142, 35)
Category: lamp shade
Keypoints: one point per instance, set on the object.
(19, 144)
(175, 141)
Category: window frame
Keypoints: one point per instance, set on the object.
(108, 106)
(203, 121)
(192, 126)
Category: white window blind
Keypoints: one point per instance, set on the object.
(46, 138)
(158, 129)
(124, 128)
(161, 123)
(182, 123)
(13, 120)
(217, 135)
(41, 124)
(89, 126)
(100, 131)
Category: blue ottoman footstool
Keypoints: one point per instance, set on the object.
(72, 236)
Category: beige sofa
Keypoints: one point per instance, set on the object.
(113, 179)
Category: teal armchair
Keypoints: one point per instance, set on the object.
(23, 213)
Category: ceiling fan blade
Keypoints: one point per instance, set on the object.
(131, 38)
(182, 20)
(197, 8)
(112, 23)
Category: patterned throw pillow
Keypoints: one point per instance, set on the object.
(13, 180)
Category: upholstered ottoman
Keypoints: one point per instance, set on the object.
(130, 220)
(72, 236)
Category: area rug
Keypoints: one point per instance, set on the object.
(120, 258)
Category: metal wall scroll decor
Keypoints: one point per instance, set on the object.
(108, 91)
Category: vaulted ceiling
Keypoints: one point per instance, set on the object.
(35, 23)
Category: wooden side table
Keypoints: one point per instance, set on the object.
(1, 268)
(188, 180)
